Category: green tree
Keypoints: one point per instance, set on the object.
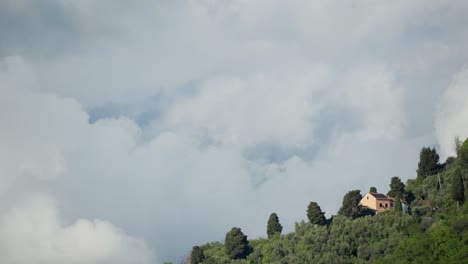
(458, 189)
(273, 226)
(428, 163)
(373, 189)
(396, 187)
(236, 244)
(197, 256)
(464, 151)
(315, 214)
(457, 145)
(350, 206)
(397, 204)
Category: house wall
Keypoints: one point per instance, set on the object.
(369, 201)
(383, 205)
(380, 205)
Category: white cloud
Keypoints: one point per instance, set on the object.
(277, 107)
(452, 114)
(374, 97)
(261, 106)
(32, 232)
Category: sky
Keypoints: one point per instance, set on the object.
(132, 131)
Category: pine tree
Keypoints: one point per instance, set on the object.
(273, 226)
(458, 189)
(428, 163)
(197, 255)
(315, 214)
(236, 244)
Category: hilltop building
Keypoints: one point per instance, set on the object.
(380, 202)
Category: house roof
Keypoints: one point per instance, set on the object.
(380, 196)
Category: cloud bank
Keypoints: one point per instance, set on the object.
(165, 116)
(32, 233)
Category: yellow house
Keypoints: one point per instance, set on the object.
(376, 201)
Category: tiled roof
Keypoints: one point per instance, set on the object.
(380, 196)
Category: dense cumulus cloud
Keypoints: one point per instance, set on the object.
(131, 132)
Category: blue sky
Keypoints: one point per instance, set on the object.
(132, 132)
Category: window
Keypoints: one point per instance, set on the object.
(380, 205)
(367, 197)
(386, 205)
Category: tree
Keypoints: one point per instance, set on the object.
(397, 204)
(236, 244)
(396, 187)
(373, 189)
(197, 255)
(315, 214)
(350, 206)
(458, 189)
(464, 151)
(457, 145)
(428, 163)
(409, 197)
(273, 226)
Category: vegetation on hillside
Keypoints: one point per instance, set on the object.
(436, 231)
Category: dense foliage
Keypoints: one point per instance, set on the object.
(236, 244)
(197, 255)
(458, 190)
(464, 151)
(396, 187)
(273, 226)
(428, 163)
(435, 232)
(398, 203)
(315, 214)
(350, 206)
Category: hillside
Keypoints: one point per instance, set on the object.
(435, 231)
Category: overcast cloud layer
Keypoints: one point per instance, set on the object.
(131, 132)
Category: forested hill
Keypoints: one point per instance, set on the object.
(435, 230)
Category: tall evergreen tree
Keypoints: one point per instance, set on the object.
(397, 204)
(315, 214)
(464, 151)
(373, 189)
(236, 244)
(350, 206)
(457, 145)
(197, 255)
(273, 226)
(458, 189)
(396, 187)
(428, 163)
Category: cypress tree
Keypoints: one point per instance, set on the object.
(351, 207)
(397, 204)
(458, 189)
(315, 214)
(273, 226)
(428, 163)
(396, 187)
(458, 144)
(464, 151)
(236, 244)
(197, 255)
